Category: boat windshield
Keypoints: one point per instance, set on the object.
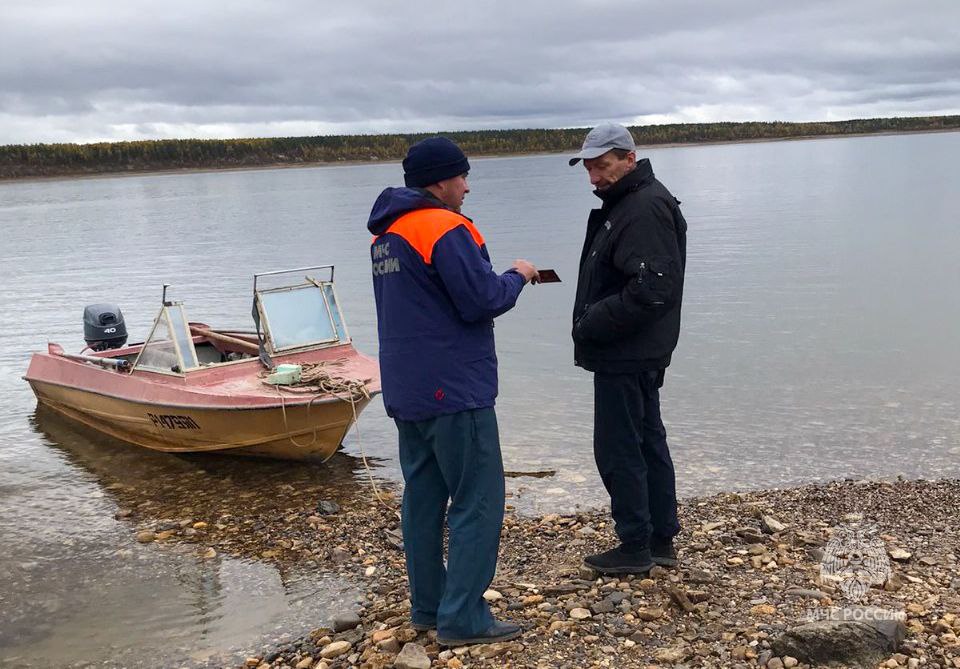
(303, 315)
(169, 348)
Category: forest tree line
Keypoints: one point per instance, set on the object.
(38, 160)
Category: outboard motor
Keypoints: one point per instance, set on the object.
(103, 327)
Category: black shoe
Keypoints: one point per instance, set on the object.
(663, 554)
(423, 627)
(618, 561)
(499, 631)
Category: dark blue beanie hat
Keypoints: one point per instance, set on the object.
(433, 160)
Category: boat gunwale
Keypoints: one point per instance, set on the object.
(211, 378)
(295, 401)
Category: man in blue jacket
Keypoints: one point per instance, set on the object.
(437, 295)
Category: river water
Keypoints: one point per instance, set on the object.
(820, 341)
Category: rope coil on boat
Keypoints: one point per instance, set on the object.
(314, 376)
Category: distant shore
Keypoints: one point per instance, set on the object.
(519, 154)
(800, 138)
(44, 162)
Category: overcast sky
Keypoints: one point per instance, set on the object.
(89, 70)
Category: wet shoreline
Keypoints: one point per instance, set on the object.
(312, 525)
(738, 582)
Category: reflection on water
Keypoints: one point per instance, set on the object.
(145, 608)
(182, 482)
(77, 586)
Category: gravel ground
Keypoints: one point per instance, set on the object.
(750, 568)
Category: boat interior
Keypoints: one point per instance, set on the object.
(305, 315)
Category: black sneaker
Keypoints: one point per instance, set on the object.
(663, 554)
(499, 631)
(618, 561)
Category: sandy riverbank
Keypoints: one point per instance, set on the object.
(750, 569)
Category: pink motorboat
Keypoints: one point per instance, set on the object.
(290, 388)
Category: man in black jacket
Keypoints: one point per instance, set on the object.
(626, 322)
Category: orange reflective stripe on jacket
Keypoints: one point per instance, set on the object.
(423, 228)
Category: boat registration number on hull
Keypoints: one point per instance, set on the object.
(173, 421)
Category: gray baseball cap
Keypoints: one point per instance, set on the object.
(601, 139)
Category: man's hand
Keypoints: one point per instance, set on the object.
(527, 269)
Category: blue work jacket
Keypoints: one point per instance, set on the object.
(437, 295)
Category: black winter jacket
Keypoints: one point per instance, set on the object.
(626, 316)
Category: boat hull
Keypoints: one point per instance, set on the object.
(295, 428)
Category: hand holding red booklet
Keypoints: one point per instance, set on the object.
(548, 276)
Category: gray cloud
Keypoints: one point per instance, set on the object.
(99, 69)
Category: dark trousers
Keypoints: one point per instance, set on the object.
(630, 447)
(456, 458)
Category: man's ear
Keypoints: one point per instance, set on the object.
(435, 190)
(632, 159)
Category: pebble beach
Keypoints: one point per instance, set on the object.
(751, 573)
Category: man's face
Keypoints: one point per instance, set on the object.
(451, 191)
(608, 169)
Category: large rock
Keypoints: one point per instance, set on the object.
(858, 636)
(899, 555)
(805, 592)
(335, 649)
(650, 614)
(891, 624)
(671, 655)
(492, 596)
(345, 621)
(328, 507)
(603, 606)
(413, 656)
(564, 588)
(390, 645)
(771, 525)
